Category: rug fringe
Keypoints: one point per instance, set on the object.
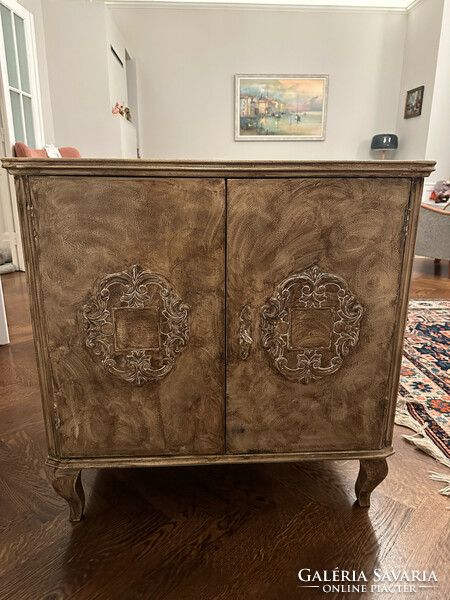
(422, 441)
(440, 477)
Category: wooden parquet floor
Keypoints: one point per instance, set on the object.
(204, 533)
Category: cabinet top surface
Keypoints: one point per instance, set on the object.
(210, 168)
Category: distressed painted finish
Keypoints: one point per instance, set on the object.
(89, 228)
(353, 229)
(217, 236)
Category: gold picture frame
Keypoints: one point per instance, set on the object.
(280, 107)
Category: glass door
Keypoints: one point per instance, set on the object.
(18, 65)
(20, 110)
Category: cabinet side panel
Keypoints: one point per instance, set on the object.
(145, 374)
(408, 259)
(318, 263)
(30, 246)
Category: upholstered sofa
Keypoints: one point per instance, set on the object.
(433, 236)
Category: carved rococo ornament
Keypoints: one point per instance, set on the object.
(305, 295)
(142, 297)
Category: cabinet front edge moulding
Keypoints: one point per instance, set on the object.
(226, 169)
(178, 460)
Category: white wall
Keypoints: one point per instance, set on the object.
(133, 92)
(419, 68)
(438, 143)
(84, 78)
(188, 59)
(77, 57)
(35, 8)
(118, 86)
(117, 73)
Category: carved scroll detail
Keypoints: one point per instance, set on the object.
(245, 332)
(310, 290)
(134, 289)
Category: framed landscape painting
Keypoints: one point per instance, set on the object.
(280, 107)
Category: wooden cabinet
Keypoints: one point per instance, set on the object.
(191, 313)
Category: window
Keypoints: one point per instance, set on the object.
(18, 65)
(20, 110)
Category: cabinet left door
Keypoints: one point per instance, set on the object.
(127, 284)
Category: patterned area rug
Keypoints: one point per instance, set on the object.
(424, 398)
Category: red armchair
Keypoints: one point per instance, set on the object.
(21, 150)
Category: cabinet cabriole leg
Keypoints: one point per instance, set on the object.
(372, 471)
(67, 483)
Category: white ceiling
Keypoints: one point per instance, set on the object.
(389, 5)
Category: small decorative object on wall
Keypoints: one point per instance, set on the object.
(414, 100)
(280, 107)
(121, 109)
(118, 109)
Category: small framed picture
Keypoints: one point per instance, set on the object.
(414, 101)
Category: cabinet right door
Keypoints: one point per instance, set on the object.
(313, 291)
